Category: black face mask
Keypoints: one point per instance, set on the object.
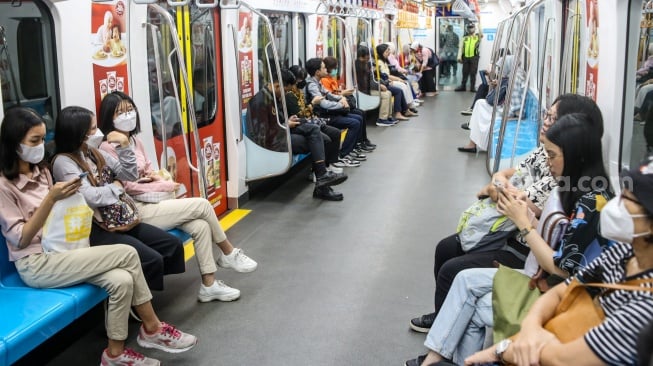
(301, 84)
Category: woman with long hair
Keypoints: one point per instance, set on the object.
(28, 195)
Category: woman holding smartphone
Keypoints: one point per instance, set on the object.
(28, 195)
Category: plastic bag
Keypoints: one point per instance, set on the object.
(68, 225)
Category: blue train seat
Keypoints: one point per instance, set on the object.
(29, 316)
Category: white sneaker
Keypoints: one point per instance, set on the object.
(128, 357)
(334, 169)
(217, 291)
(238, 261)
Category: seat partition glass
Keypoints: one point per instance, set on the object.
(28, 75)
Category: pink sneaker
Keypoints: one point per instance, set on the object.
(168, 339)
(128, 357)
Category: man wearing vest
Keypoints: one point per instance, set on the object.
(468, 56)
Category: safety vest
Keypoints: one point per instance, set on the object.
(470, 45)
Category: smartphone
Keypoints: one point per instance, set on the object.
(83, 175)
(498, 185)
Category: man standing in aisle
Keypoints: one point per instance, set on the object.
(468, 56)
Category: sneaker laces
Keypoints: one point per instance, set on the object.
(240, 256)
(130, 353)
(170, 331)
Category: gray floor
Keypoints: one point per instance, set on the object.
(337, 281)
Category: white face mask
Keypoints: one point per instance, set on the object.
(617, 223)
(31, 154)
(125, 122)
(95, 139)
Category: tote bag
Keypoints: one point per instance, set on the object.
(68, 225)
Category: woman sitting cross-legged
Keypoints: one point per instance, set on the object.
(118, 114)
(28, 195)
(160, 253)
(575, 160)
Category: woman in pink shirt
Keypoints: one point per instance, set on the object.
(28, 195)
(195, 215)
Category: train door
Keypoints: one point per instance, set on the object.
(183, 49)
(451, 32)
(28, 64)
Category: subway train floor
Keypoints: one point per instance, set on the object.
(337, 282)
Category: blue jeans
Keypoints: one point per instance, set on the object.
(459, 329)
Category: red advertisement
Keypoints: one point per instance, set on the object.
(109, 48)
(319, 43)
(591, 74)
(245, 56)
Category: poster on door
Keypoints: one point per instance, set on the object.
(108, 39)
(319, 43)
(245, 57)
(592, 71)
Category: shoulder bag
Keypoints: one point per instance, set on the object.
(120, 216)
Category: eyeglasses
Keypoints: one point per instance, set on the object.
(549, 116)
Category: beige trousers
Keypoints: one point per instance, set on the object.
(193, 215)
(115, 268)
(385, 106)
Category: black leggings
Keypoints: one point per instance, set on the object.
(450, 259)
(160, 252)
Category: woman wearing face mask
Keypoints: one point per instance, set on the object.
(576, 161)
(118, 115)
(28, 195)
(76, 134)
(628, 219)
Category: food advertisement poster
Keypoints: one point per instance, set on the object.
(109, 48)
(245, 57)
(319, 42)
(592, 71)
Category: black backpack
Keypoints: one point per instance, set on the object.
(433, 61)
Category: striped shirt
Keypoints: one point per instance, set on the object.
(626, 312)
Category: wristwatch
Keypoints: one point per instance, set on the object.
(523, 232)
(501, 348)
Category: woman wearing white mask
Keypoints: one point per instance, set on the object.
(76, 134)
(627, 219)
(28, 195)
(118, 114)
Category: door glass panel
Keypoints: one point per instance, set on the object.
(203, 70)
(638, 124)
(282, 36)
(451, 33)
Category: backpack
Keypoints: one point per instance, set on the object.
(433, 61)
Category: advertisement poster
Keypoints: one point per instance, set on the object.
(319, 43)
(245, 56)
(109, 48)
(591, 75)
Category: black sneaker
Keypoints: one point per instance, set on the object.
(330, 179)
(362, 148)
(369, 144)
(423, 323)
(416, 361)
(327, 194)
(461, 88)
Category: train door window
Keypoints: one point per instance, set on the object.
(204, 65)
(166, 114)
(282, 36)
(638, 123)
(27, 59)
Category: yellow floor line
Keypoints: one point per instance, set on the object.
(227, 222)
